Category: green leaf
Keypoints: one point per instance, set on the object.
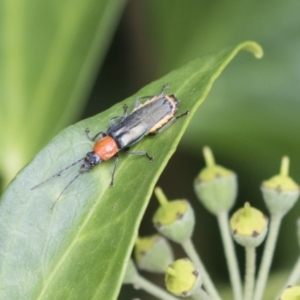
(79, 249)
(50, 52)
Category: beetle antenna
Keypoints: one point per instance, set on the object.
(58, 173)
(65, 189)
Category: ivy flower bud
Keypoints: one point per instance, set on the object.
(130, 273)
(249, 226)
(215, 186)
(175, 219)
(291, 293)
(182, 279)
(153, 253)
(281, 192)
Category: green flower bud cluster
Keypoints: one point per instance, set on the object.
(216, 188)
(174, 220)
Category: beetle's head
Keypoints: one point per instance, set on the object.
(91, 160)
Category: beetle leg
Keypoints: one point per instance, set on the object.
(114, 170)
(138, 103)
(125, 113)
(142, 153)
(87, 133)
(170, 122)
(162, 92)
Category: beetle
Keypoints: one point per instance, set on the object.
(151, 117)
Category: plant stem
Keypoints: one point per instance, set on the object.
(232, 264)
(193, 255)
(209, 157)
(151, 288)
(285, 166)
(293, 278)
(250, 272)
(267, 256)
(161, 197)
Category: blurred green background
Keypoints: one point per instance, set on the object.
(62, 61)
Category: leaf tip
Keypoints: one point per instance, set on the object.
(254, 48)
